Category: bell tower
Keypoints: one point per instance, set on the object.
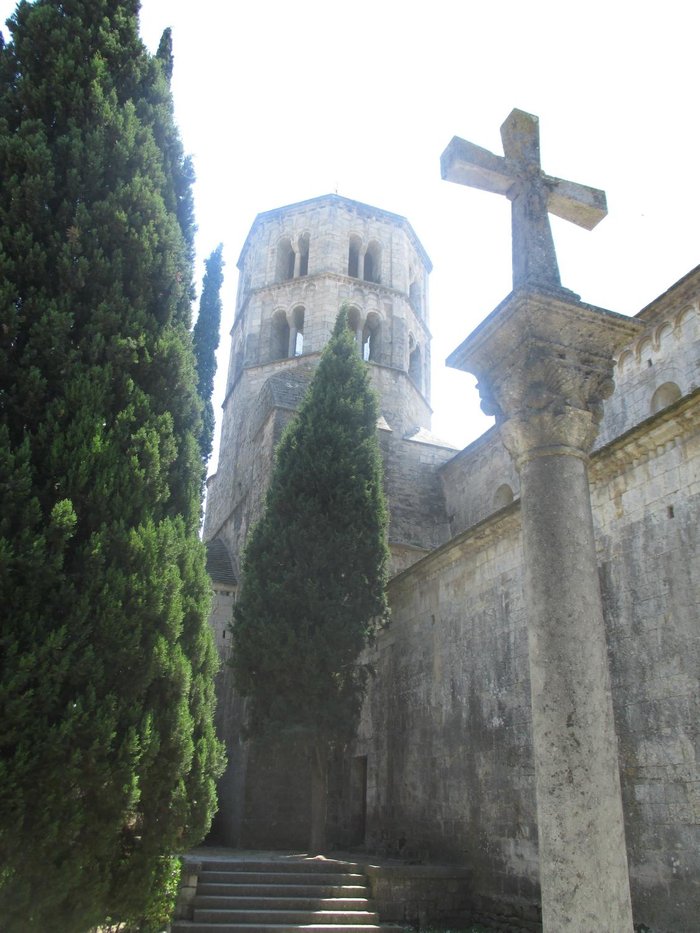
(299, 264)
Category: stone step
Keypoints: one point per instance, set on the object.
(194, 926)
(279, 866)
(216, 875)
(222, 901)
(286, 917)
(282, 890)
(256, 896)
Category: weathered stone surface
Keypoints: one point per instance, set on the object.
(532, 194)
(545, 366)
(419, 894)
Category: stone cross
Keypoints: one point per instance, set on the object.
(533, 195)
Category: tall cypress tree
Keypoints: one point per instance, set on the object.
(206, 340)
(108, 758)
(315, 569)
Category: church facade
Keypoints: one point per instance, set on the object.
(442, 768)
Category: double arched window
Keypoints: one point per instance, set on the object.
(367, 333)
(364, 262)
(287, 339)
(292, 258)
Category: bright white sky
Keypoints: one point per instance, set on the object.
(279, 101)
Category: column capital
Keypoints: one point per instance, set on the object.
(544, 361)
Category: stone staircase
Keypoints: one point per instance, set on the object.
(281, 896)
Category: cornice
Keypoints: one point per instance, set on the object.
(377, 287)
(347, 204)
(488, 531)
(648, 439)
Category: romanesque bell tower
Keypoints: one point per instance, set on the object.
(298, 265)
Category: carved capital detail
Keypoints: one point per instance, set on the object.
(548, 400)
(544, 361)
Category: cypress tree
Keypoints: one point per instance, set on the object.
(314, 569)
(206, 340)
(108, 758)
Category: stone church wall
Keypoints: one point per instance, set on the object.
(414, 491)
(666, 355)
(478, 481)
(446, 727)
(646, 497)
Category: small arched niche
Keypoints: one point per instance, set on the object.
(279, 348)
(373, 263)
(371, 338)
(285, 260)
(665, 395)
(296, 340)
(503, 496)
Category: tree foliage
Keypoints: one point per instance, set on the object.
(206, 340)
(315, 565)
(108, 758)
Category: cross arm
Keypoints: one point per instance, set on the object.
(467, 164)
(577, 203)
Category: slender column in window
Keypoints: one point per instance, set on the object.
(370, 338)
(296, 339)
(355, 325)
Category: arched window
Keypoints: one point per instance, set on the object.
(354, 257)
(238, 360)
(304, 254)
(373, 262)
(370, 337)
(280, 336)
(665, 395)
(296, 341)
(503, 496)
(285, 260)
(415, 364)
(415, 296)
(355, 325)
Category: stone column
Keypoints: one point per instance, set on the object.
(544, 363)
